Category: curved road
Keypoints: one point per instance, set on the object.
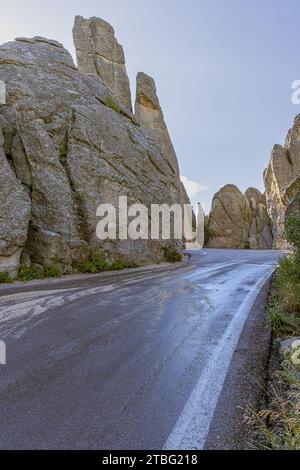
(148, 359)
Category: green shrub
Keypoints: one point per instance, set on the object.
(171, 255)
(292, 232)
(5, 278)
(283, 324)
(94, 264)
(284, 313)
(110, 102)
(52, 271)
(30, 273)
(33, 272)
(118, 265)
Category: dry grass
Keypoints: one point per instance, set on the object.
(278, 426)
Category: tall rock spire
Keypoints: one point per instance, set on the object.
(99, 53)
(150, 117)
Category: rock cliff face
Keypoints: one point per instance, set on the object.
(238, 220)
(65, 148)
(281, 181)
(292, 199)
(260, 231)
(14, 215)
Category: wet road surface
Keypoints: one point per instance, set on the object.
(132, 361)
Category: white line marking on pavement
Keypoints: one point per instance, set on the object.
(191, 429)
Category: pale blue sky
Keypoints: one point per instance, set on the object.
(223, 70)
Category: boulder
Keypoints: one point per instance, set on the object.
(238, 220)
(229, 219)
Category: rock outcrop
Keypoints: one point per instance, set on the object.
(66, 149)
(292, 199)
(14, 215)
(99, 53)
(280, 176)
(238, 220)
(229, 219)
(260, 231)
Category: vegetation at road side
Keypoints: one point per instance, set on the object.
(5, 278)
(284, 312)
(97, 263)
(279, 424)
(94, 264)
(172, 256)
(30, 273)
(110, 102)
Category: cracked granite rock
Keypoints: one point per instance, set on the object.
(65, 150)
(280, 177)
(238, 220)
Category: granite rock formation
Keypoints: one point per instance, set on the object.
(14, 215)
(292, 199)
(281, 181)
(64, 149)
(260, 231)
(99, 53)
(238, 220)
(151, 119)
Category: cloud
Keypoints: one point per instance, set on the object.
(193, 188)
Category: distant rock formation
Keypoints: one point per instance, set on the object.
(229, 219)
(69, 142)
(260, 231)
(280, 177)
(238, 220)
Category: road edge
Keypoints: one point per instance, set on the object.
(245, 380)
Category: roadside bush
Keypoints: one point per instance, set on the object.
(284, 312)
(30, 273)
(292, 233)
(171, 255)
(52, 271)
(283, 324)
(35, 272)
(93, 265)
(5, 278)
(120, 264)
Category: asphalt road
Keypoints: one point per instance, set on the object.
(137, 360)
